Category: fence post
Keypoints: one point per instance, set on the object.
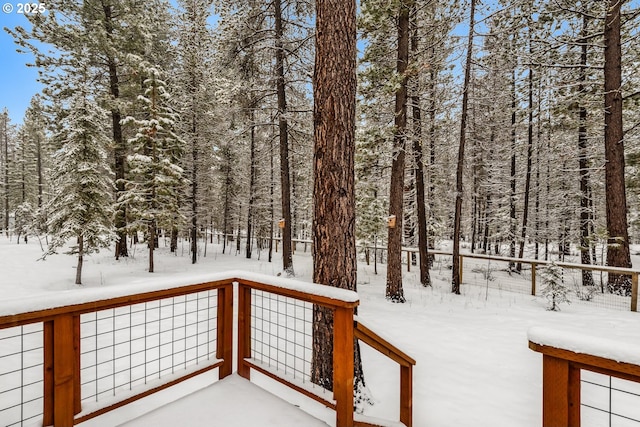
(224, 339)
(77, 384)
(533, 278)
(460, 269)
(343, 337)
(47, 416)
(406, 395)
(560, 393)
(64, 372)
(244, 329)
(634, 292)
(408, 261)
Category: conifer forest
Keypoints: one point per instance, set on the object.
(506, 127)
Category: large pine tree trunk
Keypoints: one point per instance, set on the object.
(455, 280)
(418, 152)
(227, 199)
(512, 197)
(195, 157)
(423, 243)
(433, 74)
(395, 292)
(252, 184)
(272, 184)
(119, 149)
(283, 128)
(527, 182)
(585, 253)
(616, 199)
(334, 243)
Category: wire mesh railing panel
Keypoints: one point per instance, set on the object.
(609, 401)
(591, 288)
(21, 375)
(133, 345)
(281, 334)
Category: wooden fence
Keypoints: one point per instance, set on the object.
(70, 333)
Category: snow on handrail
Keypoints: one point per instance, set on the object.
(57, 300)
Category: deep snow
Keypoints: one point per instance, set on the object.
(474, 367)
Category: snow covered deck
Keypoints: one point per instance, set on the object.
(231, 402)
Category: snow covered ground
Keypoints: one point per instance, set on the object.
(474, 367)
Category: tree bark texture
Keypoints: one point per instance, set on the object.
(423, 250)
(616, 200)
(583, 164)
(334, 242)
(455, 280)
(283, 128)
(119, 149)
(80, 259)
(527, 182)
(195, 157)
(512, 198)
(394, 291)
(252, 184)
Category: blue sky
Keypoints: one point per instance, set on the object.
(17, 82)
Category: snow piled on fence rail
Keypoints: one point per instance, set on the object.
(596, 341)
(474, 367)
(25, 304)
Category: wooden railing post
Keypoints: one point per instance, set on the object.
(65, 373)
(560, 393)
(634, 292)
(406, 395)
(244, 330)
(224, 348)
(533, 278)
(47, 416)
(343, 341)
(77, 389)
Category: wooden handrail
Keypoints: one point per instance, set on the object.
(95, 299)
(374, 340)
(561, 381)
(62, 341)
(46, 314)
(406, 363)
(324, 300)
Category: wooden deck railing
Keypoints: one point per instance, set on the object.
(561, 386)
(62, 349)
(406, 363)
(63, 340)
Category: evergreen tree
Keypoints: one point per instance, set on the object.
(152, 194)
(6, 152)
(554, 288)
(81, 178)
(194, 78)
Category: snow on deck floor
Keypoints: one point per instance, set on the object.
(231, 402)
